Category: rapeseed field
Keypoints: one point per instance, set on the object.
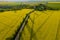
(42, 25)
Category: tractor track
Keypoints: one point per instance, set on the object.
(20, 29)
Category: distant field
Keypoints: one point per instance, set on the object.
(55, 5)
(9, 3)
(53, 2)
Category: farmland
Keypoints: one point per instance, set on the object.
(55, 5)
(40, 25)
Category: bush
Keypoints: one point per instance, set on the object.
(40, 7)
(2, 10)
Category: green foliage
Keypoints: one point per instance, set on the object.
(40, 7)
(2, 10)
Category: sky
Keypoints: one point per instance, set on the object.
(19, 0)
(29, 0)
